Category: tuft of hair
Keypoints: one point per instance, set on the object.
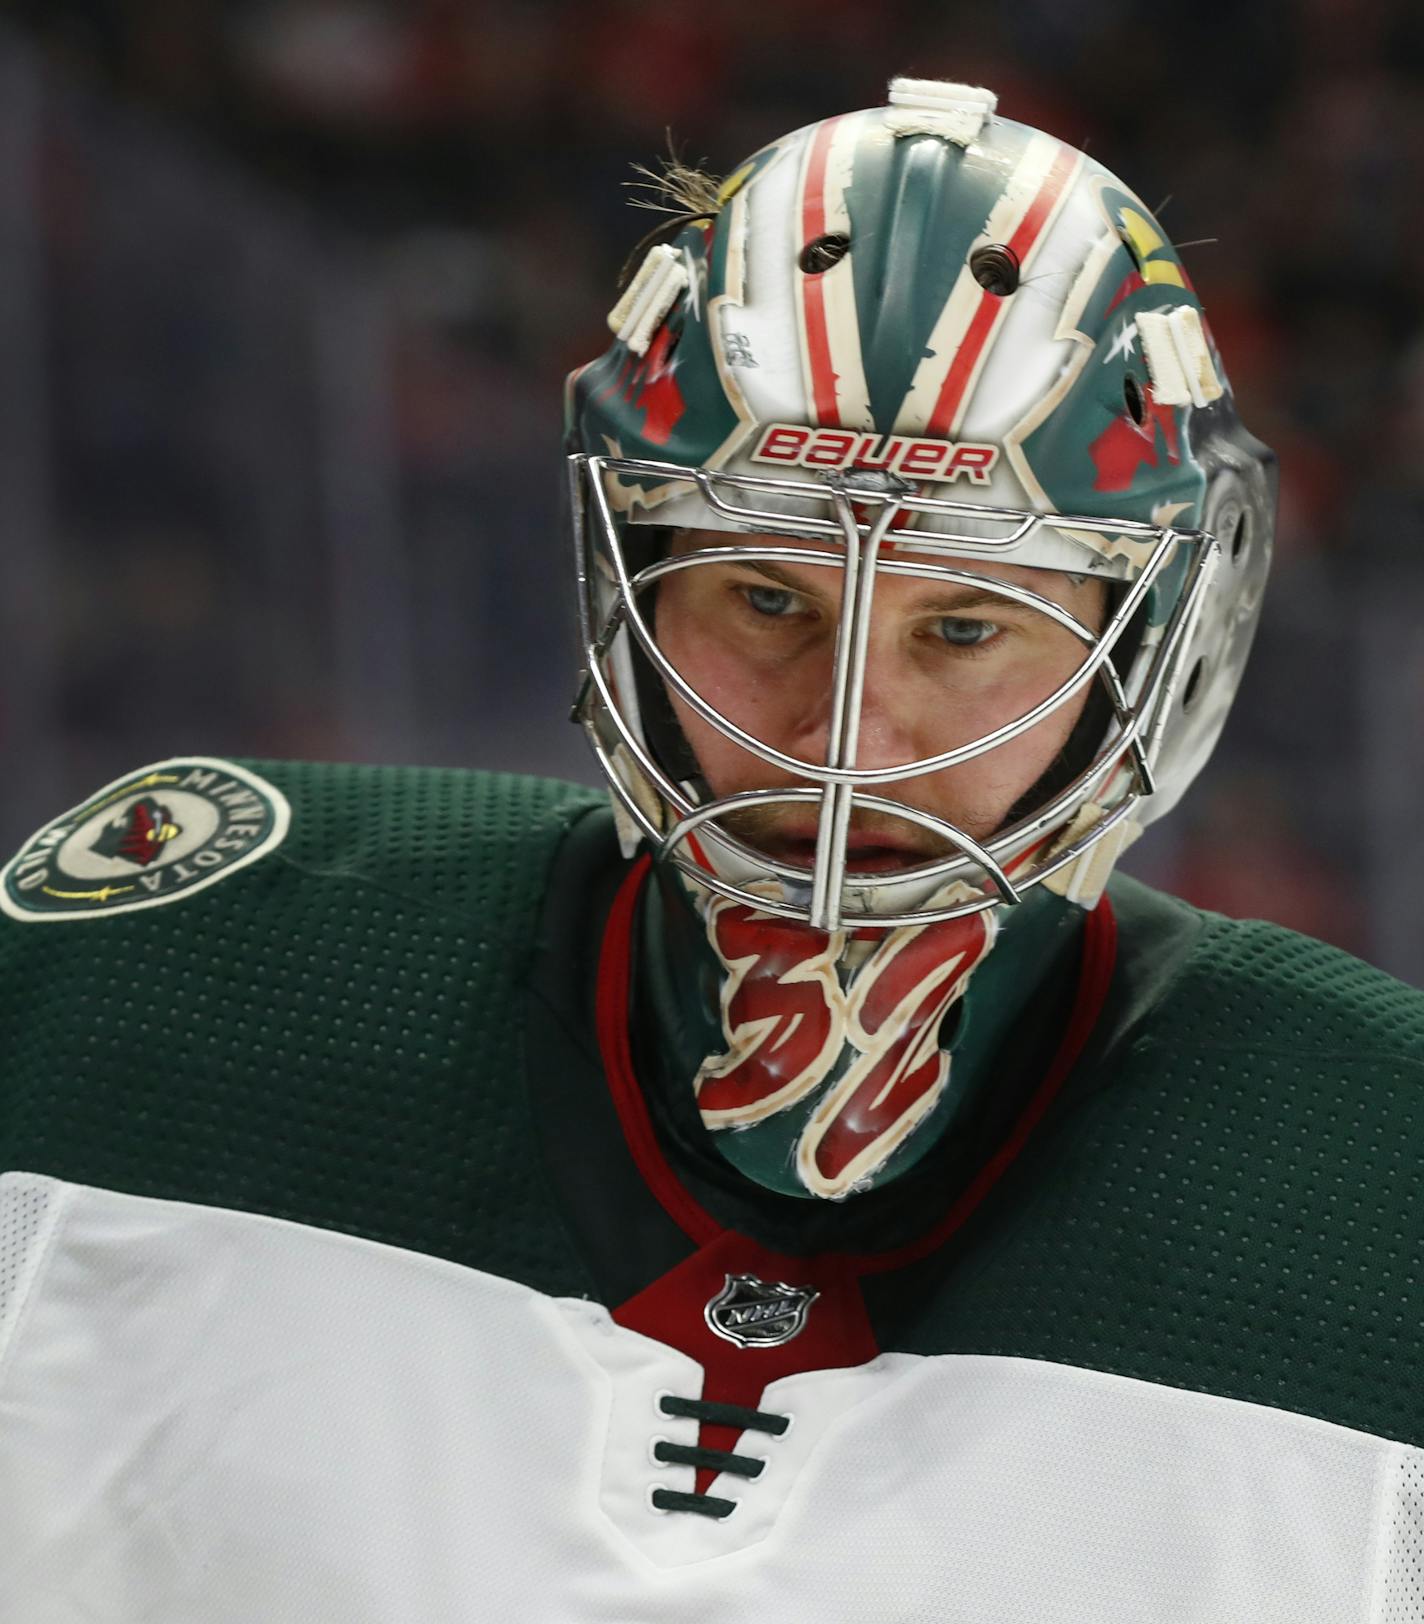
(675, 187)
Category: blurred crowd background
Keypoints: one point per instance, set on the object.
(288, 289)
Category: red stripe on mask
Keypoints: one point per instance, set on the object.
(991, 305)
(813, 225)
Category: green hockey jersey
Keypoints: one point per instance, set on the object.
(351, 1274)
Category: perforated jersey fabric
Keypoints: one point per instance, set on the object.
(1230, 1194)
(1401, 1599)
(288, 1213)
(22, 1217)
(313, 1037)
(214, 1416)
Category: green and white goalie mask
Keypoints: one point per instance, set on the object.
(916, 361)
(918, 339)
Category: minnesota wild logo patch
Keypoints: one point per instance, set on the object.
(155, 836)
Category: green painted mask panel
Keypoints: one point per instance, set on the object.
(684, 979)
(1090, 454)
(908, 245)
(668, 405)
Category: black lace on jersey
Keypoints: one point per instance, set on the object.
(718, 1460)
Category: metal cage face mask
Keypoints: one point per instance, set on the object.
(920, 339)
(868, 530)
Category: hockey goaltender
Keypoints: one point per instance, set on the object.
(810, 1189)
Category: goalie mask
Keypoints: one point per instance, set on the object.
(911, 379)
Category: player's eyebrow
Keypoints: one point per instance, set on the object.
(941, 599)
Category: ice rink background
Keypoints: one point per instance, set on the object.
(287, 292)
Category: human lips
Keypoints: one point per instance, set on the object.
(867, 851)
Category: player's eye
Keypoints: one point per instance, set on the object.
(771, 600)
(960, 632)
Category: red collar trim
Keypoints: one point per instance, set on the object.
(615, 983)
(615, 972)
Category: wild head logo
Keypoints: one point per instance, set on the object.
(156, 836)
(139, 834)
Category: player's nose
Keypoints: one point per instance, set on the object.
(884, 728)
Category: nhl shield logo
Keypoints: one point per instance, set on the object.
(158, 835)
(758, 1313)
